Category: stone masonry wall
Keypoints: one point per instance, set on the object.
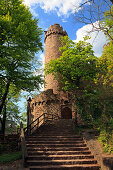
(52, 100)
(48, 102)
(52, 44)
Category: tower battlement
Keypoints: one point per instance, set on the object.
(55, 29)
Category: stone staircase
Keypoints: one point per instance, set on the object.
(55, 146)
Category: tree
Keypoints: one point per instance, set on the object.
(104, 81)
(10, 111)
(95, 13)
(105, 66)
(104, 78)
(76, 66)
(107, 24)
(20, 39)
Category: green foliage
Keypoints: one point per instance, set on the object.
(107, 23)
(90, 80)
(20, 39)
(77, 68)
(76, 65)
(85, 75)
(105, 66)
(12, 109)
(104, 80)
(24, 119)
(106, 139)
(10, 157)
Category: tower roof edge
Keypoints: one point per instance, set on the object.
(55, 29)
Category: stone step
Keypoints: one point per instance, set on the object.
(66, 167)
(55, 136)
(61, 162)
(56, 132)
(54, 139)
(55, 145)
(44, 153)
(57, 148)
(54, 142)
(59, 157)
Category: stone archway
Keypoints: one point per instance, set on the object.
(66, 113)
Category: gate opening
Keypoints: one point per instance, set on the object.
(66, 113)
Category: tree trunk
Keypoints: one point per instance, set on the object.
(4, 121)
(4, 96)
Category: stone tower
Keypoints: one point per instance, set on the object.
(52, 44)
(52, 100)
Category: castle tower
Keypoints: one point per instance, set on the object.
(52, 100)
(52, 44)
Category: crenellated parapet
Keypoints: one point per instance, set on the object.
(55, 29)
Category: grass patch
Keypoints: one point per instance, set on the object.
(10, 157)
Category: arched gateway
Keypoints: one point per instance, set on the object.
(66, 113)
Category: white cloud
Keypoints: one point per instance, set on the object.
(34, 13)
(97, 40)
(62, 7)
(42, 58)
(63, 20)
(40, 70)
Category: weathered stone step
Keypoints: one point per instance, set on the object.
(55, 136)
(55, 142)
(67, 167)
(57, 149)
(58, 132)
(44, 153)
(55, 139)
(61, 162)
(59, 157)
(56, 145)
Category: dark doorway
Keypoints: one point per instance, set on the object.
(66, 113)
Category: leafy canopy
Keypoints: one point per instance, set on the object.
(105, 66)
(76, 65)
(20, 39)
(107, 23)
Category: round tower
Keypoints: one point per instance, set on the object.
(52, 44)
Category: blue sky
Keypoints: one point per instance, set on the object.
(50, 12)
